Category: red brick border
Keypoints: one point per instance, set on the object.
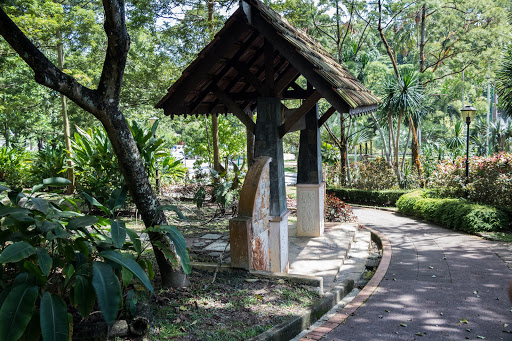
(363, 295)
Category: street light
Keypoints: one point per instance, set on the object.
(468, 114)
(152, 121)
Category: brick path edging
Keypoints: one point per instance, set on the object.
(363, 295)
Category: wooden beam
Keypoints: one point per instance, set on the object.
(288, 76)
(300, 63)
(220, 75)
(297, 94)
(234, 108)
(222, 47)
(299, 113)
(268, 51)
(252, 79)
(326, 116)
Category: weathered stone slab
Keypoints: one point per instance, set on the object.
(211, 236)
(310, 209)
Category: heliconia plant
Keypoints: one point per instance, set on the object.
(52, 257)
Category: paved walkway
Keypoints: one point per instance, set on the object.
(440, 285)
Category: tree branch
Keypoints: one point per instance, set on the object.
(117, 50)
(45, 72)
(448, 74)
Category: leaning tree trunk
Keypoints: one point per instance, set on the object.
(103, 103)
(415, 155)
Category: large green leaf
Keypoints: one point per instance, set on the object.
(108, 290)
(16, 311)
(80, 222)
(173, 208)
(129, 264)
(56, 182)
(40, 204)
(16, 252)
(180, 244)
(134, 237)
(3, 188)
(96, 203)
(83, 295)
(117, 232)
(45, 261)
(54, 318)
(8, 210)
(117, 198)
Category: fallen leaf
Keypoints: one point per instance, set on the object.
(468, 330)
(281, 281)
(430, 267)
(434, 276)
(463, 321)
(419, 334)
(480, 337)
(259, 297)
(251, 280)
(183, 308)
(387, 311)
(183, 329)
(403, 324)
(505, 325)
(475, 292)
(441, 314)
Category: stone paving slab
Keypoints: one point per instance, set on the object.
(321, 256)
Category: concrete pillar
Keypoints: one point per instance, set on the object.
(268, 143)
(310, 185)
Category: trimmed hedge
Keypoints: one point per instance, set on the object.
(367, 197)
(457, 214)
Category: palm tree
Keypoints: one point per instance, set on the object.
(403, 98)
(504, 83)
(456, 143)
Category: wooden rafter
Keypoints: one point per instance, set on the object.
(299, 113)
(326, 116)
(252, 79)
(234, 108)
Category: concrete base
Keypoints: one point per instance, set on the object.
(279, 243)
(310, 209)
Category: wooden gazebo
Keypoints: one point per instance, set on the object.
(251, 65)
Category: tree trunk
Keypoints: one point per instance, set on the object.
(405, 148)
(343, 151)
(103, 103)
(415, 155)
(422, 38)
(250, 147)
(215, 142)
(65, 119)
(384, 147)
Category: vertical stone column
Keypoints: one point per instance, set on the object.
(268, 143)
(310, 185)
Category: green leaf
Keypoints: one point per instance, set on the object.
(16, 252)
(16, 311)
(8, 210)
(118, 233)
(134, 237)
(180, 244)
(129, 264)
(173, 208)
(45, 261)
(54, 318)
(83, 295)
(127, 276)
(80, 222)
(68, 272)
(108, 290)
(33, 329)
(56, 182)
(117, 198)
(131, 301)
(37, 188)
(96, 203)
(3, 188)
(40, 204)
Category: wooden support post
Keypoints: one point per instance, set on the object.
(310, 185)
(269, 143)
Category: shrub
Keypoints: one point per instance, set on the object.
(490, 179)
(367, 197)
(457, 214)
(373, 175)
(49, 162)
(337, 210)
(54, 259)
(14, 167)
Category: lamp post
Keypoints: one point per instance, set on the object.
(152, 121)
(468, 114)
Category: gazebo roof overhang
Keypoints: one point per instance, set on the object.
(259, 54)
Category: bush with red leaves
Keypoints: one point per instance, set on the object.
(337, 210)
